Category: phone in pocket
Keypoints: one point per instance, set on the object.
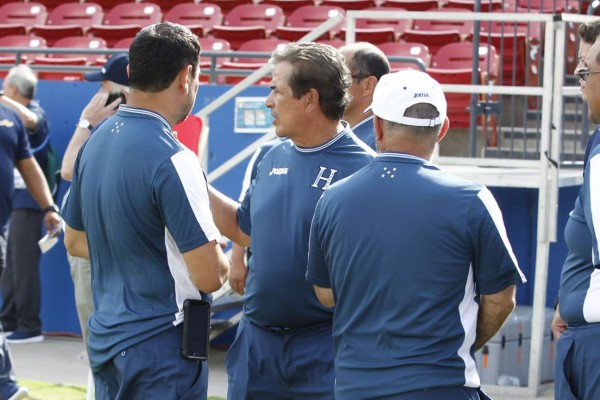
(196, 329)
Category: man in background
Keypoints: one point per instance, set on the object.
(576, 321)
(367, 64)
(115, 84)
(431, 276)
(16, 153)
(20, 281)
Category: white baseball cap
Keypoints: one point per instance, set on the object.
(400, 90)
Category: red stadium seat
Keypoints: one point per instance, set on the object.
(69, 19)
(249, 21)
(189, 133)
(76, 42)
(21, 41)
(200, 18)
(228, 5)
(349, 4)
(305, 19)
(106, 4)
(459, 104)
(371, 35)
(266, 46)
(123, 43)
(434, 40)
(485, 5)
(289, 6)
(211, 44)
(50, 4)
(465, 28)
(550, 6)
(460, 55)
(166, 5)
(519, 66)
(378, 30)
(17, 18)
(126, 20)
(337, 43)
(411, 5)
(62, 75)
(416, 50)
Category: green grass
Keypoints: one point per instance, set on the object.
(53, 391)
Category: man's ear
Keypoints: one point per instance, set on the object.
(378, 128)
(184, 77)
(443, 130)
(370, 83)
(311, 99)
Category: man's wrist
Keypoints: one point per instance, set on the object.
(85, 124)
(555, 303)
(51, 208)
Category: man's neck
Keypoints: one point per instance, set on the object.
(356, 118)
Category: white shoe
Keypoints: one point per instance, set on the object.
(21, 393)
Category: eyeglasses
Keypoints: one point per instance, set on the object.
(584, 73)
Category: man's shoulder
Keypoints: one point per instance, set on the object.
(10, 119)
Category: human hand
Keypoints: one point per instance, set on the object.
(558, 324)
(53, 223)
(96, 110)
(237, 275)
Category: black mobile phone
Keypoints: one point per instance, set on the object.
(115, 95)
(196, 329)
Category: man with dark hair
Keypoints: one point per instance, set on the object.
(139, 200)
(367, 64)
(430, 277)
(283, 349)
(20, 282)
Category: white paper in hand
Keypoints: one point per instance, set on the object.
(47, 242)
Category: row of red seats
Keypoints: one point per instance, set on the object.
(552, 6)
(241, 23)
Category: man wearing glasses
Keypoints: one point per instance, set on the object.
(577, 319)
(367, 64)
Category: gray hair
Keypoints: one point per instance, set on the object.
(23, 79)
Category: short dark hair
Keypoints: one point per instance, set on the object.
(420, 111)
(589, 31)
(158, 53)
(368, 60)
(320, 67)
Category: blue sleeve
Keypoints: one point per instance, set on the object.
(317, 272)
(71, 211)
(591, 193)
(494, 263)
(181, 192)
(23, 148)
(243, 213)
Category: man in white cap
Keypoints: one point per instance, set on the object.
(432, 272)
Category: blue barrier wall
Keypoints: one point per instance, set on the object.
(64, 101)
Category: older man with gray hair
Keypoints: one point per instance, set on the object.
(20, 282)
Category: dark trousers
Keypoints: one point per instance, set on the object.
(20, 280)
(6, 375)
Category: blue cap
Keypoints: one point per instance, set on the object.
(115, 70)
